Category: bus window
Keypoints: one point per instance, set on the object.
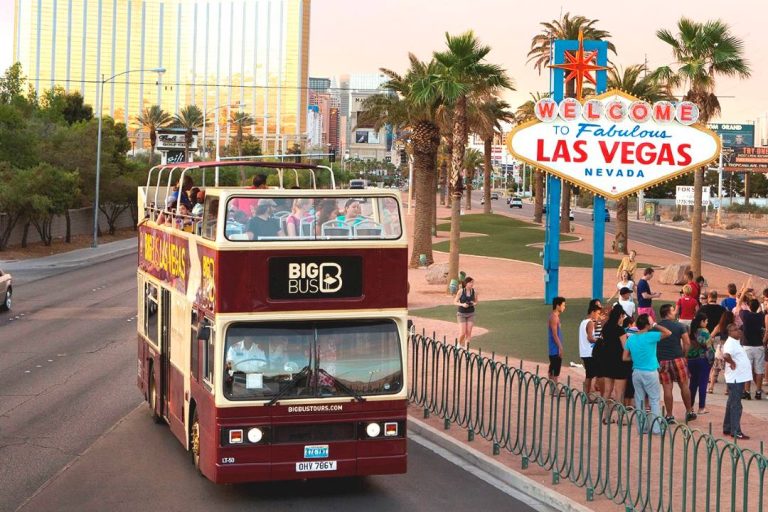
(150, 312)
(316, 218)
(210, 217)
(208, 336)
(264, 359)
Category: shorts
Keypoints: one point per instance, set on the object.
(673, 370)
(756, 356)
(555, 363)
(685, 321)
(590, 365)
(647, 311)
(464, 318)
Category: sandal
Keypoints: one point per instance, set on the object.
(702, 411)
(710, 390)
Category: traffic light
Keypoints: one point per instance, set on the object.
(332, 156)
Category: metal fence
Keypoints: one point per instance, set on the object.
(596, 445)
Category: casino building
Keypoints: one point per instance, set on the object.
(218, 54)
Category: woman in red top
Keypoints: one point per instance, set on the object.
(687, 306)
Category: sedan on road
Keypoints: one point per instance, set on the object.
(516, 202)
(6, 290)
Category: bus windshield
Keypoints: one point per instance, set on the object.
(312, 359)
(312, 218)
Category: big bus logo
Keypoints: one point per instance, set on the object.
(314, 278)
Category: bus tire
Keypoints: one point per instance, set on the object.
(152, 399)
(194, 442)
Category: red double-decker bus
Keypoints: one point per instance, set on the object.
(273, 325)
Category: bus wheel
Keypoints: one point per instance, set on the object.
(153, 401)
(194, 441)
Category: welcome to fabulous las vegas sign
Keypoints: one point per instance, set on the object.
(614, 144)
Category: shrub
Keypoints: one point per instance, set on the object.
(678, 217)
(733, 225)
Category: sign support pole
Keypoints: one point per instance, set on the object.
(598, 205)
(552, 240)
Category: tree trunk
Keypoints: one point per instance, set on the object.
(425, 142)
(565, 209)
(68, 219)
(538, 196)
(434, 202)
(457, 159)
(621, 238)
(469, 178)
(746, 188)
(443, 180)
(25, 235)
(487, 150)
(698, 181)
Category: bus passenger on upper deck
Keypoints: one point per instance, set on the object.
(299, 213)
(197, 210)
(352, 212)
(180, 192)
(263, 224)
(248, 204)
(326, 210)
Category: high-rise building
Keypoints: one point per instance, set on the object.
(221, 55)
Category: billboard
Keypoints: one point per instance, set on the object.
(614, 144)
(746, 160)
(734, 135)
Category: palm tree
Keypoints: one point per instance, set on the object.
(636, 81)
(702, 53)
(541, 45)
(190, 118)
(473, 162)
(152, 118)
(485, 118)
(463, 72)
(523, 114)
(415, 115)
(241, 120)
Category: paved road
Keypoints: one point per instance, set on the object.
(721, 251)
(73, 435)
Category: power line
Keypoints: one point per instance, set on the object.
(214, 85)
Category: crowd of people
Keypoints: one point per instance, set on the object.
(634, 357)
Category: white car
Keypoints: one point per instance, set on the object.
(516, 202)
(6, 291)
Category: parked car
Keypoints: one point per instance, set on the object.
(494, 195)
(516, 202)
(607, 215)
(6, 290)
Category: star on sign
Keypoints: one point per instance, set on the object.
(581, 65)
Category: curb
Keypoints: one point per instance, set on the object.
(75, 258)
(546, 498)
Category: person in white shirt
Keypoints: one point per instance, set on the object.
(587, 339)
(738, 371)
(626, 302)
(246, 356)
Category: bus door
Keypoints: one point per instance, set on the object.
(165, 351)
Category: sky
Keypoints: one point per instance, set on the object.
(361, 36)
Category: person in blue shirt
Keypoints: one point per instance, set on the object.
(641, 350)
(555, 339)
(730, 301)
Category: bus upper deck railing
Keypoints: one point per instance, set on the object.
(595, 445)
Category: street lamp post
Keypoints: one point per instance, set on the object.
(159, 71)
(205, 119)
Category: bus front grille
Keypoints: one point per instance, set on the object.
(311, 433)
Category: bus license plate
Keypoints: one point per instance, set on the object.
(316, 465)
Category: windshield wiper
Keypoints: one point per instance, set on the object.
(342, 386)
(295, 382)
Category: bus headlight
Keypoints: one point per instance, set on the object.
(255, 435)
(373, 429)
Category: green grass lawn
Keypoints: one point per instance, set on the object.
(518, 328)
(509, 238)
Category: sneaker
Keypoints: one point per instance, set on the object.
(690, 416)
(670, 420)
(741, 435)
(746, 396)
(759, 395)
